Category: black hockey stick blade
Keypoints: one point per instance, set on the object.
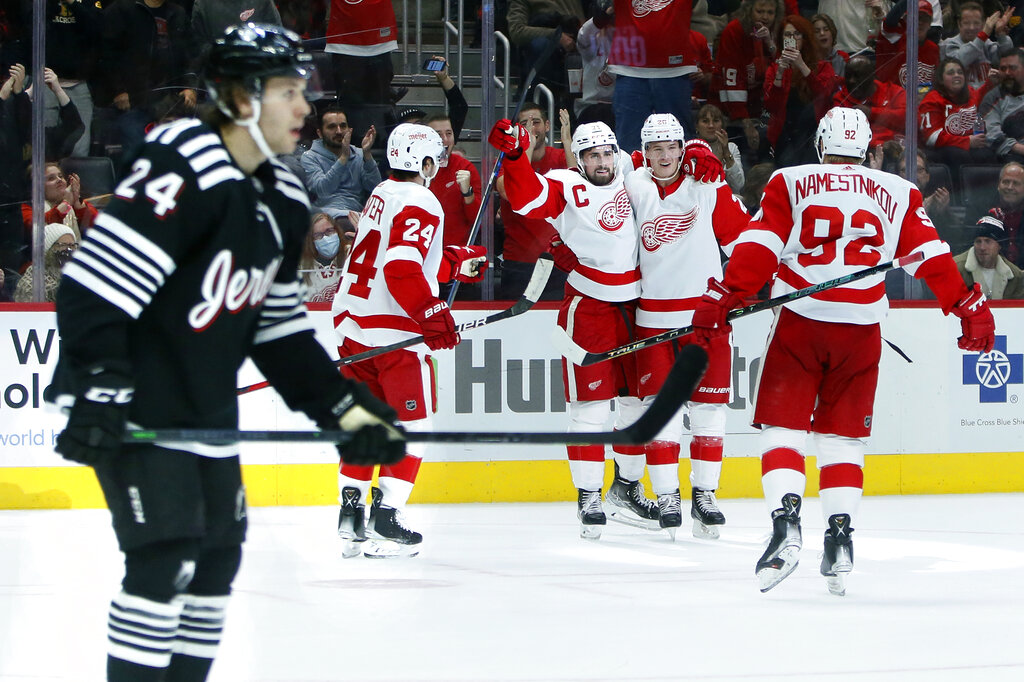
(485, 198)
(579, 356)
(677, 389)
(538, 280)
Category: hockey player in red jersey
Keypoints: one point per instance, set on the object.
(389, 293)
(820, 368)
(682, 224)
(589, 209)
(192, 268)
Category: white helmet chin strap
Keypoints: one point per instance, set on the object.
(251, 124)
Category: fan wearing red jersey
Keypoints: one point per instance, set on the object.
(820, 369)
(683, 225)
(588, 208)
(389, 293)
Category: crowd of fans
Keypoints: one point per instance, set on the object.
(751, 77)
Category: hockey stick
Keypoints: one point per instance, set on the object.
(538, 280)
(578, 356)
(679, 385)
(549, 49)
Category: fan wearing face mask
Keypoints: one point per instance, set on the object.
(59, 245)
(324, 254)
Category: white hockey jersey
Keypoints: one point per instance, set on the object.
(401, 221)
(821, 222)
(681, 228)
(595, 222)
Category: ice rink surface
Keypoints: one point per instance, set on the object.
(509, 592)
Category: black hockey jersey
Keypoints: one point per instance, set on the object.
(192, 268)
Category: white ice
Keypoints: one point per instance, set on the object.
(509, 592)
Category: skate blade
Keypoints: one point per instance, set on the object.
(628, 518)
(386, 549)
(672, 532)
(352, 548)
(768, 577)
(836, 584)
(705, 532)
(590, 531)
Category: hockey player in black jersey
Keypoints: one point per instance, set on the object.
(190, 270)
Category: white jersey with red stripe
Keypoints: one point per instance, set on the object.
(820, 222)
(681, 228)
(401, 221)
(595, 222)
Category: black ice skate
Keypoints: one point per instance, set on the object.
(670, 512)
(352, 522)
(837, 559)
(388, 535)
(627, 503)
(706, 514)
(783, 553)
(590, 513)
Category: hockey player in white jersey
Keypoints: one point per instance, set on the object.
(389, 293)
(820, 367)
(684, 225)
(589, 209)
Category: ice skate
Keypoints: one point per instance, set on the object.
(783, 552)
(706, 514)
(590, 513)
(837, 560)
(627, 503)
(352, 522)
(387, 535)
(670, 512)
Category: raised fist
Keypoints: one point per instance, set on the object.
(510, 138)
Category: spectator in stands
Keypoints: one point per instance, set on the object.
(63, 202)
(949, 125)
(594, 43)
(936, 199)
(59, 245)
(63, 136)
(974, 45)
(891, 48)
(711, 129)
(706, 67)
(147, 54)
(856, 21)
(14, 140)
(531, 25)
(360, 39)
(753, 189)
(797, 92)
(457, 106)
(322, 258)
(982, 263)
(745, 50)
(74, 32)
(339, 175)
(885, 104)
(527, 238)
(1009, 198)
(211, 17)
(456, 185)
(825, 34)
(1004, 109)
(6, 295)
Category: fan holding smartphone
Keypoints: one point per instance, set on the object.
(791, 57)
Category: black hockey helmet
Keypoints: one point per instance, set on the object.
(252, 52)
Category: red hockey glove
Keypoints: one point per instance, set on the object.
(976, 322)
(510, 138)
(437, 324)
(565, 259)
(463, 263)
(700, 163)
(709, 319)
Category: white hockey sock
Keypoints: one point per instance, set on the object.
(663, 466)
(631, 464)
(841, 489)
(201, 625)
(142, 631)
(586, 463)
(395, 491)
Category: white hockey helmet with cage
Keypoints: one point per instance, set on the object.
(590, 135)
(410, 144)
(843, 131)
(661, 128)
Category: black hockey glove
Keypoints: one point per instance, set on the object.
(377, 437)
(96, 420)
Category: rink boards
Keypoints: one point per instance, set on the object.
(949, 422)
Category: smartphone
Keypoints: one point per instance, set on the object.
(433, 65)
(789, 43)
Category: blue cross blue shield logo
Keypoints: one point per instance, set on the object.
(993, 371)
